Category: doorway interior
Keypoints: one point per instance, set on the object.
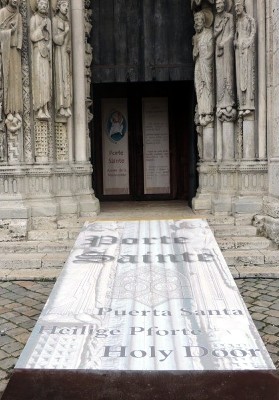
(143, 141)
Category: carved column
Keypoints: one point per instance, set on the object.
(262, 81)
(274, 106)
(79, 114)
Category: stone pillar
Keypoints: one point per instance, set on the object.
(228, 141)
(249, 137)
(271, 203)
(208, 143)
(80, 119)
(262, 81)
(274, 140)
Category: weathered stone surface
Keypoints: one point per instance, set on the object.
(254, 271)
(18, 261)
(48, 235)
(44, 223)
(54, 260)
(271, 257)
(55, 247)
(29, 274)
(71, 221)
(243, 257)
(13, 229)
(243, 219)
(231, 231)
(271, 227)
(250, 243)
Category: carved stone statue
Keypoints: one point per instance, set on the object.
(62, 58)
(40, 34)
(203, 54)
(10, 58)
(224, 58)
(197, 4)
(245, 58)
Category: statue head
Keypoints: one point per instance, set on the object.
(199, 21)
(220, 6)
(239, 6)
(42, 6)
(63, 6)
(14, 3)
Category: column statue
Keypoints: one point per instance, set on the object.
(203, 54)
(10, 59)
(62, 59)
(197, 4)
(40, 34)
(224, 58)
(245, 58)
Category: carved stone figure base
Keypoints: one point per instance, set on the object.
(46, 191)
(231, 187)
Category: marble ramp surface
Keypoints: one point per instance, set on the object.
(145, 295)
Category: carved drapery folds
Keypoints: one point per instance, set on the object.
(62, 59)
(203, 53)
(245, 59)
(11, 103)
(230, 95)
(35, 80)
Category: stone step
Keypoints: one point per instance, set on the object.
(27, 274)
(243, 257)
(233, 231)
(244, 243)
(27, 247)
(257, 271)
(33, 261)
(53, 235)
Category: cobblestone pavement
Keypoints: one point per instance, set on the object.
(22, 301)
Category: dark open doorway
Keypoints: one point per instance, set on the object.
(155, 165)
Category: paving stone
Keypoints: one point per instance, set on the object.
(258, 316)
(273, 313)
(267, 297)
(259, 325)
(5, 340)
(3, 355)
(3, 375)
(272, 330)
(8, 363)
(272, 320)
(270, 338)
(272, 349)
(11, 347)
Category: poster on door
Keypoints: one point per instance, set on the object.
(115, 147)
(156, 146)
